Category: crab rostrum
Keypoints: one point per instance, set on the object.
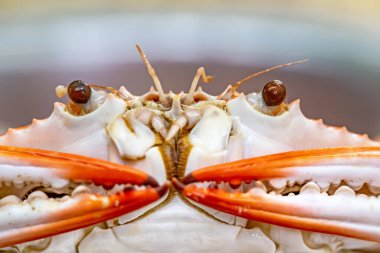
(189, 172)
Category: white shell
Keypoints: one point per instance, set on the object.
(219, 136)
(131, 141)
(67, 133)
(289, 131)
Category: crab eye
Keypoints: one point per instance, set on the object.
(274, 93)
(79, 92)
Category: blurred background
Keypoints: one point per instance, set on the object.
(48, 43)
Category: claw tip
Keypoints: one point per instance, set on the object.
(178, 184)
(189, 179)
(151, 181)
(161, 190)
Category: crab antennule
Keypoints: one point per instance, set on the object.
(343, 160)
(341, 213)
(39, 217)
(153, 74)
(71, 167)
(82, 211)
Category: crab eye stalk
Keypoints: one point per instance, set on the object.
(79, 92)
(274, 93)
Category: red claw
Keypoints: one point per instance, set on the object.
(81, 210)
(345, 215)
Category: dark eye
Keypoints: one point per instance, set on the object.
(274, 93)
(79, 92)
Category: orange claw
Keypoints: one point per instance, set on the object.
(81, 210)
(75, 167)
(86, 210)
(263, 209)
(283, 164)
(341, 214)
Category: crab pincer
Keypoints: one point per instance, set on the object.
(333, 190)
(59, 197)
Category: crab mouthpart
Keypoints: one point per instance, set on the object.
(44, 193)
(334, 191)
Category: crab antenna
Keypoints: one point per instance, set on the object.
(205, 78)
(237, 84)
(152, 73)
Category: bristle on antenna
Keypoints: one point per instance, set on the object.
(152, 73)
(237, 84)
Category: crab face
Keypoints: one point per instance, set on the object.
(247, 175)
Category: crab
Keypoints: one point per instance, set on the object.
(190, 172)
